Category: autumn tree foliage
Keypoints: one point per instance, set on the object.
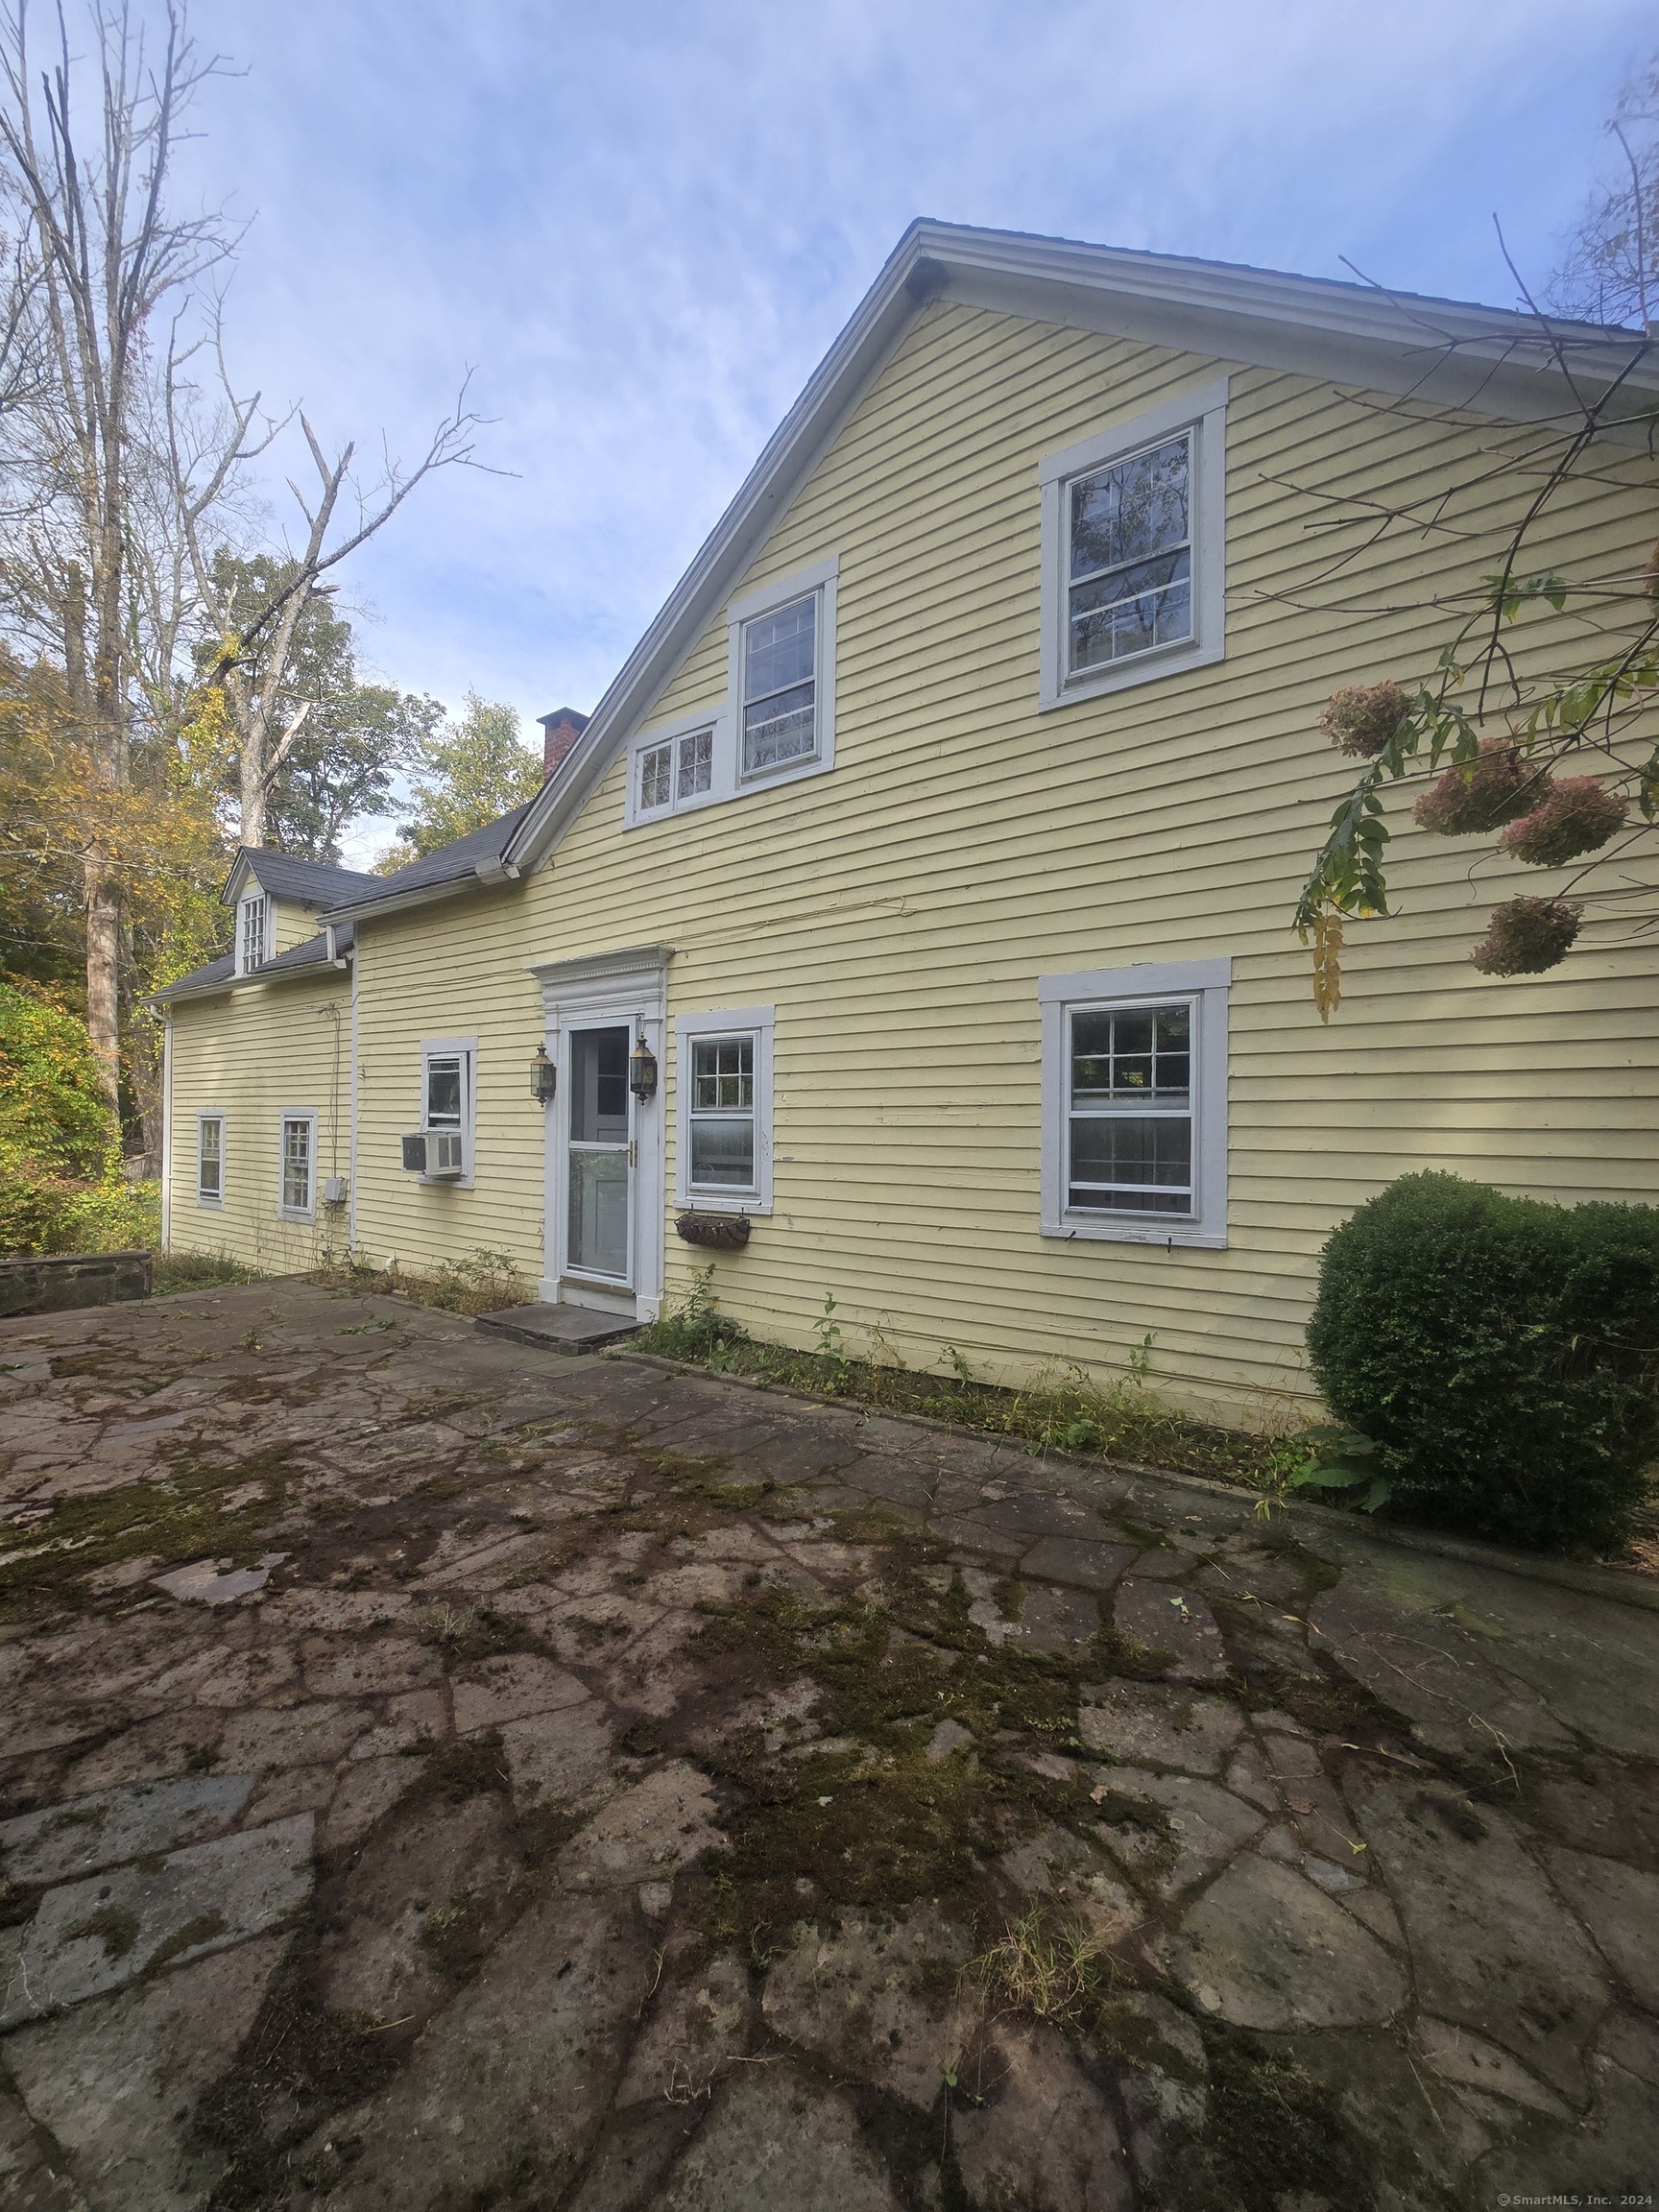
(176, 671)
(468, 773)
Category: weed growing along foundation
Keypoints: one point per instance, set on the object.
(1062, 1409)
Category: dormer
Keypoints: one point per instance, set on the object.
(277, 899)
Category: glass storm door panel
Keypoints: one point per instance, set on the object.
(600, 1153)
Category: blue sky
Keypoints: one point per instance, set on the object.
(642, 226)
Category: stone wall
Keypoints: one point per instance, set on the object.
(52, 1283)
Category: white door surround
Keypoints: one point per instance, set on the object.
(601, 989)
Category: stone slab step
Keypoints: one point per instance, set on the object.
(558, 1328)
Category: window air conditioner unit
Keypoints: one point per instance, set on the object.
(434, 1152)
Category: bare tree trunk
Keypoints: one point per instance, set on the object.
(103, 973)
(85, 187)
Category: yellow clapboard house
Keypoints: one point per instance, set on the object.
(937, 846)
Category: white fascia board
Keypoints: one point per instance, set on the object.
(1349, 333)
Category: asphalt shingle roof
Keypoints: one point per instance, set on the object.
(449, 864)
(312, 953)
(312, 882)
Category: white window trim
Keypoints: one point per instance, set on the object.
(465, 1048)
(1206, 984)
(210, 1113)
(1203, 411)
(712, 719)
(725, 716)
(756, 1022)
(267, 932)
(287, 1115)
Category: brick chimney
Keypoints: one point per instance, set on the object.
(560, 730)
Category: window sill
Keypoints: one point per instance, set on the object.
(1145, 668)
(209, 1205)
(295, 1213)
(1094, 1231)
(721, 1202)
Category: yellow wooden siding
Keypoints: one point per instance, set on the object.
(252, 1056)
(457, 969)
(899, 911)
(293, 926)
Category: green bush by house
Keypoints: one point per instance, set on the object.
(1503, 1352)
(61, 1183)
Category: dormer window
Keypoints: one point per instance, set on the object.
(251, 934)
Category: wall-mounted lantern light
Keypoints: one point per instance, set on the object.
(642, 1071)
(543, 1077)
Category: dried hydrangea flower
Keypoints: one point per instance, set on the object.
(1476, 797)
(1526, 936)
(1365, 718)
(1580, 816)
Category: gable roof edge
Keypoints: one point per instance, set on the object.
(1494, 363)
(791, 453)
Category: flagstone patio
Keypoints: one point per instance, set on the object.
(437, 1772)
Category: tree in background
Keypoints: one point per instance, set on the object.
(1541, 671)
(352, 741)
(1607, 275)
(471, 773)
(254, 609)
(101, 255)
(163, 669)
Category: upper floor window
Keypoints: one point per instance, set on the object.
(780, 700)
(777, 722)
(1134, 563)
(251, 934)
(674, 771)
(1130, 575)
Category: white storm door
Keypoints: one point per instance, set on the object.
(599, 1174)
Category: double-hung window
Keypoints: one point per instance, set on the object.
(251, 933)
(780, 698)
(777, 721)
(447, 1089)
(725, 1118)
(673, 771)
(1134, 563)
(781, 675)
(211, 1158)
(297, 1190)
(1135, 1104)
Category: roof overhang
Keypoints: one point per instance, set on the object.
(1444, 352)
(299, 972)
(486, 874)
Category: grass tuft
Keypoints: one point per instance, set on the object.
(481, 1281)
(1046, 1965)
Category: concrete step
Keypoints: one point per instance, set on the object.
(557, 1327)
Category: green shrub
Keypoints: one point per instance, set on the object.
(1503, 1353)
(59, 1214)
(54, 1116)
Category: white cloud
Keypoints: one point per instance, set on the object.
(643, 224)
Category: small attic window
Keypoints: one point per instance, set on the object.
(251, 934)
